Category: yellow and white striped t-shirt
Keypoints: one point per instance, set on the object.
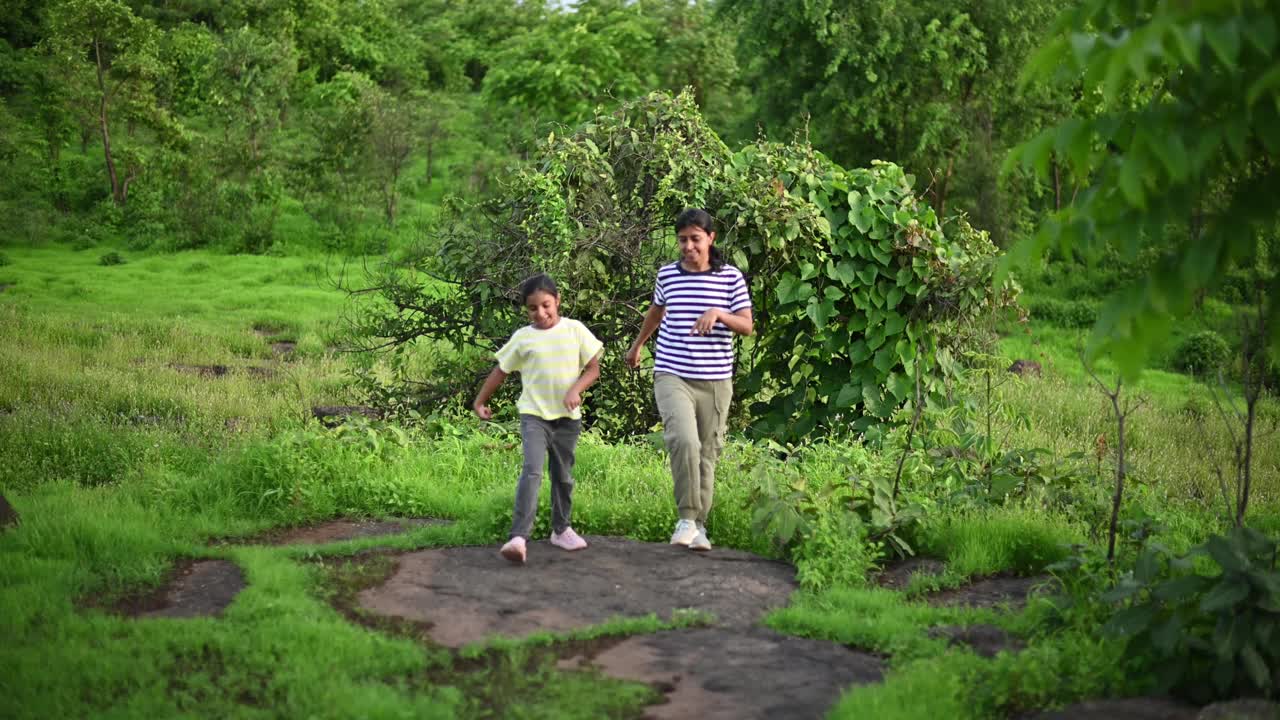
(549, 362)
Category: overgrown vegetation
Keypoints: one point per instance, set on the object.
(193, 184)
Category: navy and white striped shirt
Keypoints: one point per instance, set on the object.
(686, 295)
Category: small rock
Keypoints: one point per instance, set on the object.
(8, 516)
(897, 576)
(1025, 368)
(1242, 709)
(204, 371)
(284, 347)
(1136, 708)
(334, 415)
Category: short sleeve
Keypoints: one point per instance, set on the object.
(659, 293)
(739, 298)
(588, 345)
(509, 356)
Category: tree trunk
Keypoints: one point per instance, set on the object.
(1057, 184)
(1119, 492)
(431, 152)
(117, 190)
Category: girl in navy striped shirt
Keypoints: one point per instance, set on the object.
(699, 304)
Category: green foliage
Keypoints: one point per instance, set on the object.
(834, 527)
(1205, 636)
(605, 52)
(1179, 162)
(854, 282)
(1203, 352)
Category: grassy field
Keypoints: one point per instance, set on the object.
(121, 456)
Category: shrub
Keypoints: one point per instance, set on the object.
(1208, 637)
(856, 286)
(4, 260)
(1064, 313)
(111, 258)
(1202, 352)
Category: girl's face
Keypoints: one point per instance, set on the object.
(544, 309)
(695, 247)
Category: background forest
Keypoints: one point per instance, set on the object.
(1014, 263)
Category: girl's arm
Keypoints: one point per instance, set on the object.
(739, 322)
(652, 319)
(491, 383)
(590, 374)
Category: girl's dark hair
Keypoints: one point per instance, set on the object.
(697, 217)
(541, 282)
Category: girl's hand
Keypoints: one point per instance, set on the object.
(632, 358)
(572, 399)
(482, 411)
(704, 324)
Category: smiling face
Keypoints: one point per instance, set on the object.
(543, 308)
(695, 247)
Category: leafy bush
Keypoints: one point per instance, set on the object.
(111, 258)
(1206, 636)
(4, 259)
(1202, 352)
(856, 286)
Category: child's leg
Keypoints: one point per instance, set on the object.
(535, 436)
(564, 441)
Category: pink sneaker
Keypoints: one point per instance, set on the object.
(514, 550)
(569, 540)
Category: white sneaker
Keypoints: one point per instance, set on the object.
(686, 531)
(700, 541)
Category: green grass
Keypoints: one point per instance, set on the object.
(1176, 439)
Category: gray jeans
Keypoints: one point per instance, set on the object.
(553, 441)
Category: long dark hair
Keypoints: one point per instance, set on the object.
(541, 282)
(697, 217)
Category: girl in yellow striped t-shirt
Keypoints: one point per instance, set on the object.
(557, 358)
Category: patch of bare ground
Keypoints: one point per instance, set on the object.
(991, 592)
(897, 576)
(333, 531)
(283, 349)
(985, 640)
(194, 588)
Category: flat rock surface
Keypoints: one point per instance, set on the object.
(470, 593)
(1137, 708)
(736, 674)
(198, 588)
